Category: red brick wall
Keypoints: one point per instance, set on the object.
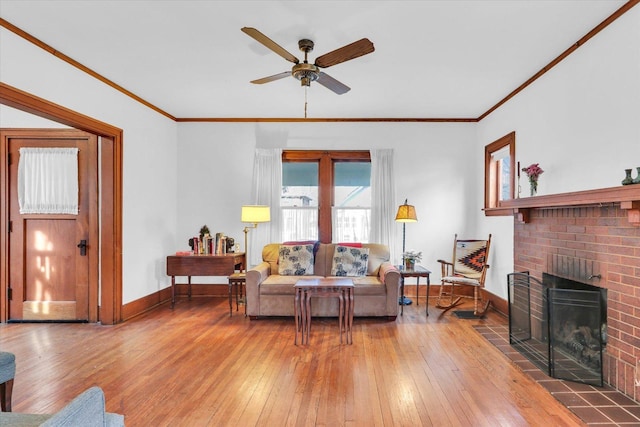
(602, 234)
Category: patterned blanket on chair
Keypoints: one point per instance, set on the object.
(470, 258)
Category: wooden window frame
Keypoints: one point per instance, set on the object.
(492, 203)
(326, 160)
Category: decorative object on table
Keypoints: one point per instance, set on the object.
(201, 244)
(230, 244)
(411, 258)
(204, 230)
(636, 180)
(533, 172)
(220, 245)
(627, 179)
(406, 213)
(253, 214)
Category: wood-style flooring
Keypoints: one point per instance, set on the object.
(196, 366)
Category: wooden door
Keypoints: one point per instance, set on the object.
(53, 257)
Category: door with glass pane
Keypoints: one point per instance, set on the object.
(53, 256)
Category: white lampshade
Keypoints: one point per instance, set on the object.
(256, 213)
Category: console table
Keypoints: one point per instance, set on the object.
(202, 265)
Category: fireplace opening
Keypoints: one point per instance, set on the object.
(559, 324)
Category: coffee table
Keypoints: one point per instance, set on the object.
(323, 288)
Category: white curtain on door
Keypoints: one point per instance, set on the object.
(383, 199)
(266, 190)
(48, 180)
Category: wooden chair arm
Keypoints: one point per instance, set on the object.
(446, 268)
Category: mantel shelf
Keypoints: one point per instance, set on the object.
(628, 196)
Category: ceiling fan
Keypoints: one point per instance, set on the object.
(306, 72)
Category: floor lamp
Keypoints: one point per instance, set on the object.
(253, 214)
(406, 213)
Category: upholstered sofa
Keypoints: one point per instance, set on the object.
(272, 294)
(86, 410)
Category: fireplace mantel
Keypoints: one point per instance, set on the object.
(627, 196)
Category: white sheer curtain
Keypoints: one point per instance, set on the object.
(383, 199)
(266, 190)
(48, 180)
(299, 223)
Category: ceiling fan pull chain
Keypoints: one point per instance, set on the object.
(305, 102)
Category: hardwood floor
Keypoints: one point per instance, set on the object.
(196, 366)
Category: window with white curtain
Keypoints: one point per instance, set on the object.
(48, 180)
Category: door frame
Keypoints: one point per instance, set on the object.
(110, 197)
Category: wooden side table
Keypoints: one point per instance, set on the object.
(202, 265)
(307, 288)
(418, 271)
(237, 281)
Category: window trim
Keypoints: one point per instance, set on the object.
(325, 160)
(491, 190)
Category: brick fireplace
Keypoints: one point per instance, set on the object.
(606, 235)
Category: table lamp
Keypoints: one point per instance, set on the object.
(253, 214)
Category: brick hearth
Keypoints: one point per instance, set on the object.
(606, 236)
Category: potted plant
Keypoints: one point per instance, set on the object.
(411, 258)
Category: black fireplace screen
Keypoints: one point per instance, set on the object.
(559, 325)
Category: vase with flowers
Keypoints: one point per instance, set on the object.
(533, 171)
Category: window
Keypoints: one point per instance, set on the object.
(326, 195)
(499, 168)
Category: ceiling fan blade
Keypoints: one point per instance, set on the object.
(272, 78)
(345, 53)
(332, 84)
(252, 32)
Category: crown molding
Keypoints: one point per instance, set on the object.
(618, 13)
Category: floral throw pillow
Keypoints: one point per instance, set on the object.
(349, 261)
(295, 260)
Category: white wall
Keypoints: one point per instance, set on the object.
(580, 121)
(433, 163)
(149, 151)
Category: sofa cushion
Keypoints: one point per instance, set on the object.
(315, 243)
(378, 254)
(276, 284)
(349, 261)
(15, 419)
(87, 409)
(295, 260)
(368, 285)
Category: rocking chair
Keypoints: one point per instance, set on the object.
(468, 268)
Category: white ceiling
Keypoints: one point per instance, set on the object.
(432, 59)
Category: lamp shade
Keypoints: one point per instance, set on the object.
(256, 213)
(406, 213)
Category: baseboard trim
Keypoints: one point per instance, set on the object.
(163, 296)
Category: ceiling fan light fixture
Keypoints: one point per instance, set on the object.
(306, 73)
